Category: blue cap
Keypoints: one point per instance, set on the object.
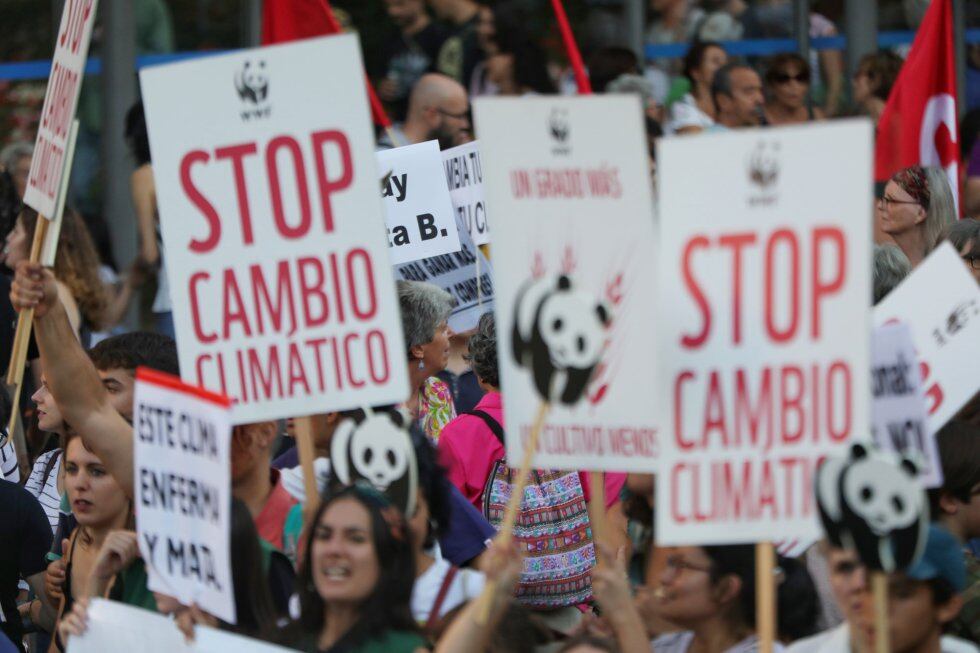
(942, 558)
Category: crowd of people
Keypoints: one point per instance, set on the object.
(354, 574)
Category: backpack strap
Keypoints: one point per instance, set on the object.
(49, 467)
(447, 582)
(494, 425)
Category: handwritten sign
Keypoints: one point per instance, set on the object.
(464, 176)
(183, 491)
(418, 209)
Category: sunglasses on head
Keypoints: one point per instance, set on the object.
(786, 78)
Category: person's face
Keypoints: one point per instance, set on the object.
(714, 58)
(404, 13)
(966, 514)
(500, 69)
(250, 445)
(791, 85)
(861, 86)
(848, 581)
(486, 30)
(971, 257)
(897, 211)
(48, 416)
(442, 8)
(435, 354)
(95, 497)
(452, 125)
(913, 619)
(686, 594)
(19, 172)
(747, 97)
(343, 561)
(120, 384)
(16, 248)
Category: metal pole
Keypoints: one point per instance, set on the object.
(861, 28)
(959, 49)
(253, 23)
(118, 94)
(801, 27)
(634, 20)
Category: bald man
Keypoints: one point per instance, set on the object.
(438, 108)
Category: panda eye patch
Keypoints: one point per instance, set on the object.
(867, 493)
(581, 343)
(368, 455)
(898, 503)
(391, 457)
(557, 324)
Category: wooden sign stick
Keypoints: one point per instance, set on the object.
(44, 253)
(879, 591)
(597, 510)
(307, 452)
(765, 596)
(506, 532)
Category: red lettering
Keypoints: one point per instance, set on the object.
(275, 188)
(744, 409)
(201, 202)
(714, 410)
(195, 308)
(791, 402)
(737, 242)
(355, 383)
(839, 368)
(232, 306)
(261, 297)
(313, 288)
(367, 275)
(376, 340)
(327, 186)
(836, 282)
(237, 154)
(794, 292)
(689, 341)
(679, 410)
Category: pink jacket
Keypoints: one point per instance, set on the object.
(468, 449)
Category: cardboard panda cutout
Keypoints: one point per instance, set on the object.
(873, 503)
(378, 450)
(559, 335)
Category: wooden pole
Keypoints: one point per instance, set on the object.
(597, 510)
(506, 532)
(879, 591)
(307, 452)
(765, 596)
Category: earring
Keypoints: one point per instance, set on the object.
(421, 364)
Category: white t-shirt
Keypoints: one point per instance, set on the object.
(681, 642)
(838, 640)
(466, 586)
(47, 494)
(686, 113)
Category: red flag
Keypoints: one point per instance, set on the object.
(289, 20)
(918, 125)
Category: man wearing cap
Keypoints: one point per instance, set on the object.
(921, 601)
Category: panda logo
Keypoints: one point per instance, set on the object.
(252, 83)
(559, 335)
(764, 164)
(558, 125)
(869, 503)
(377, 450)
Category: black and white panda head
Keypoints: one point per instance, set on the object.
(886, 497)
(378, 450)
(573, 325)
(252, 82)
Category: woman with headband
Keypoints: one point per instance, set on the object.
(914, 208)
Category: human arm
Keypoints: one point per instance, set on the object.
(119, 303)
(610, 585)
(118, 551)
(466, 634)
(72, 379)
(145, 202)
(832, 65)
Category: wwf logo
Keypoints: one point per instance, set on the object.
(252, 84)
(764, 165)
(559, 129)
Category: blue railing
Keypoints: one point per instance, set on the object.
(756, 47)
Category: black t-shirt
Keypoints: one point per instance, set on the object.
(407, 58)
(25, 537)
(460, 53)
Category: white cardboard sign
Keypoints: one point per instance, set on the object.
(573, 234)
(464, 176)
(279, 273)
(940, 302)
(418, 209)
(899, 422)
(466, 275)
(182, 465)
(60, 102)
(765, 326)
(118, 628)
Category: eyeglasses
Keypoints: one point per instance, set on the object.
(888, 201)
(786, 78)
(463, 115)
(973, 260)
(677, 564)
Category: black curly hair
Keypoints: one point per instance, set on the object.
(483, 351)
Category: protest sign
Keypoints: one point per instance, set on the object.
(418, 210)
(940, 302)
(183, 491)
(899, 422)
(464, 176)
(118, 628)
(765, 333)
(573, 221)
(466, 275)
(279, 273)
(60, 102)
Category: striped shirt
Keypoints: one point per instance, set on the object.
(8, 459)
(46, 489)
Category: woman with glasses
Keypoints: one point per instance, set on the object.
(914, 208)
(709, 592)
(788, 91)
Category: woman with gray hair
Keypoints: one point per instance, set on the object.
(890, 268)
(425, 312)
(914, 208)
